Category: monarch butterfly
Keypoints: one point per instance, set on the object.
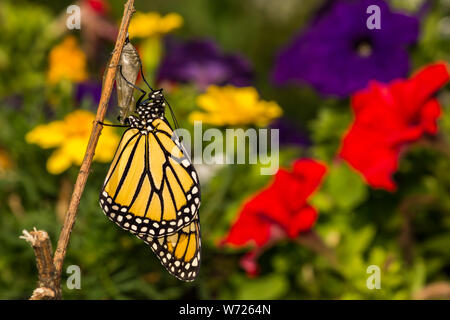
(152, 189)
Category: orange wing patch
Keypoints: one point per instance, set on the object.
(151, 187)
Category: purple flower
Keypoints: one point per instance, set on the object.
(338, 54)
(88, 89)
(92, 90)
(202, 62)
(290, 134)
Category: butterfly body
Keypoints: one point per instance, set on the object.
(152, 189)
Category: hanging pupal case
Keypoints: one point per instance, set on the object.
(129, 65)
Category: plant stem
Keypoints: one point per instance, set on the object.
(42, 246)
(71, 214)
(408, 209)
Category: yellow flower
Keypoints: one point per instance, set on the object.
(70, 136)
(6, 163)
(67, 61)
(231, 105)
(153, 24)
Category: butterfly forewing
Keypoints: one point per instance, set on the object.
(151, 187)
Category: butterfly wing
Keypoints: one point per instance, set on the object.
(179, 253)
(151, 187)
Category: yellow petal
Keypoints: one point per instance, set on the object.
(72, 136)
(153, 24)
(74, 149)
(67, 61)
(170, 22)
(47, 135)
(231, 105)
(6, 162)
(58, 162)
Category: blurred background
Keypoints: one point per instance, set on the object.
(363, 144)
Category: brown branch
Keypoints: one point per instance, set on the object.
(50, 272)
(408, 209)
(71, 214)
(314, 242)
(434, 291)
(42, 246)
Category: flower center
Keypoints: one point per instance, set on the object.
(364, 47)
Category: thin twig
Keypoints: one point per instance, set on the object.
(434, 291)
(71, 214)
(42, 246)
(314, 242)
(408, 209)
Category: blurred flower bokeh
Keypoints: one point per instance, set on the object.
(280, 210)
(387, 118)
(153, 24)
(233, 106)
(202, 63)
(337, 54)
(70, 136)
(5, 162)
(363, 151)
(67, 62)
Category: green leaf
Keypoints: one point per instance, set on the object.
(327, 131)
(361, 239)
(264, 288)
(345, 186)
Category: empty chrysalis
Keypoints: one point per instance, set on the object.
(130, 65)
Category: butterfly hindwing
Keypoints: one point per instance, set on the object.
(151, 187)
(180, 252)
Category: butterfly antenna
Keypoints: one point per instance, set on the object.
(170, 108)
(173, 115)
(143, 78)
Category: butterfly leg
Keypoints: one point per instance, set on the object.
(113, 125)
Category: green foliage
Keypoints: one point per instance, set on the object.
(258, 288)
(360, 226)
(344, 186)
(327, 130)
(22, 58)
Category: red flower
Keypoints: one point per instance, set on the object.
(281, 210)
(99, 6)
(387, 118)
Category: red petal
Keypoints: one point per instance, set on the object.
(249, 264)
(249, 227)
(386, 118)
(302, 221)
(430, 113)
(427, 81)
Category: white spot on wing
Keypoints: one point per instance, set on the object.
(185, 163)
